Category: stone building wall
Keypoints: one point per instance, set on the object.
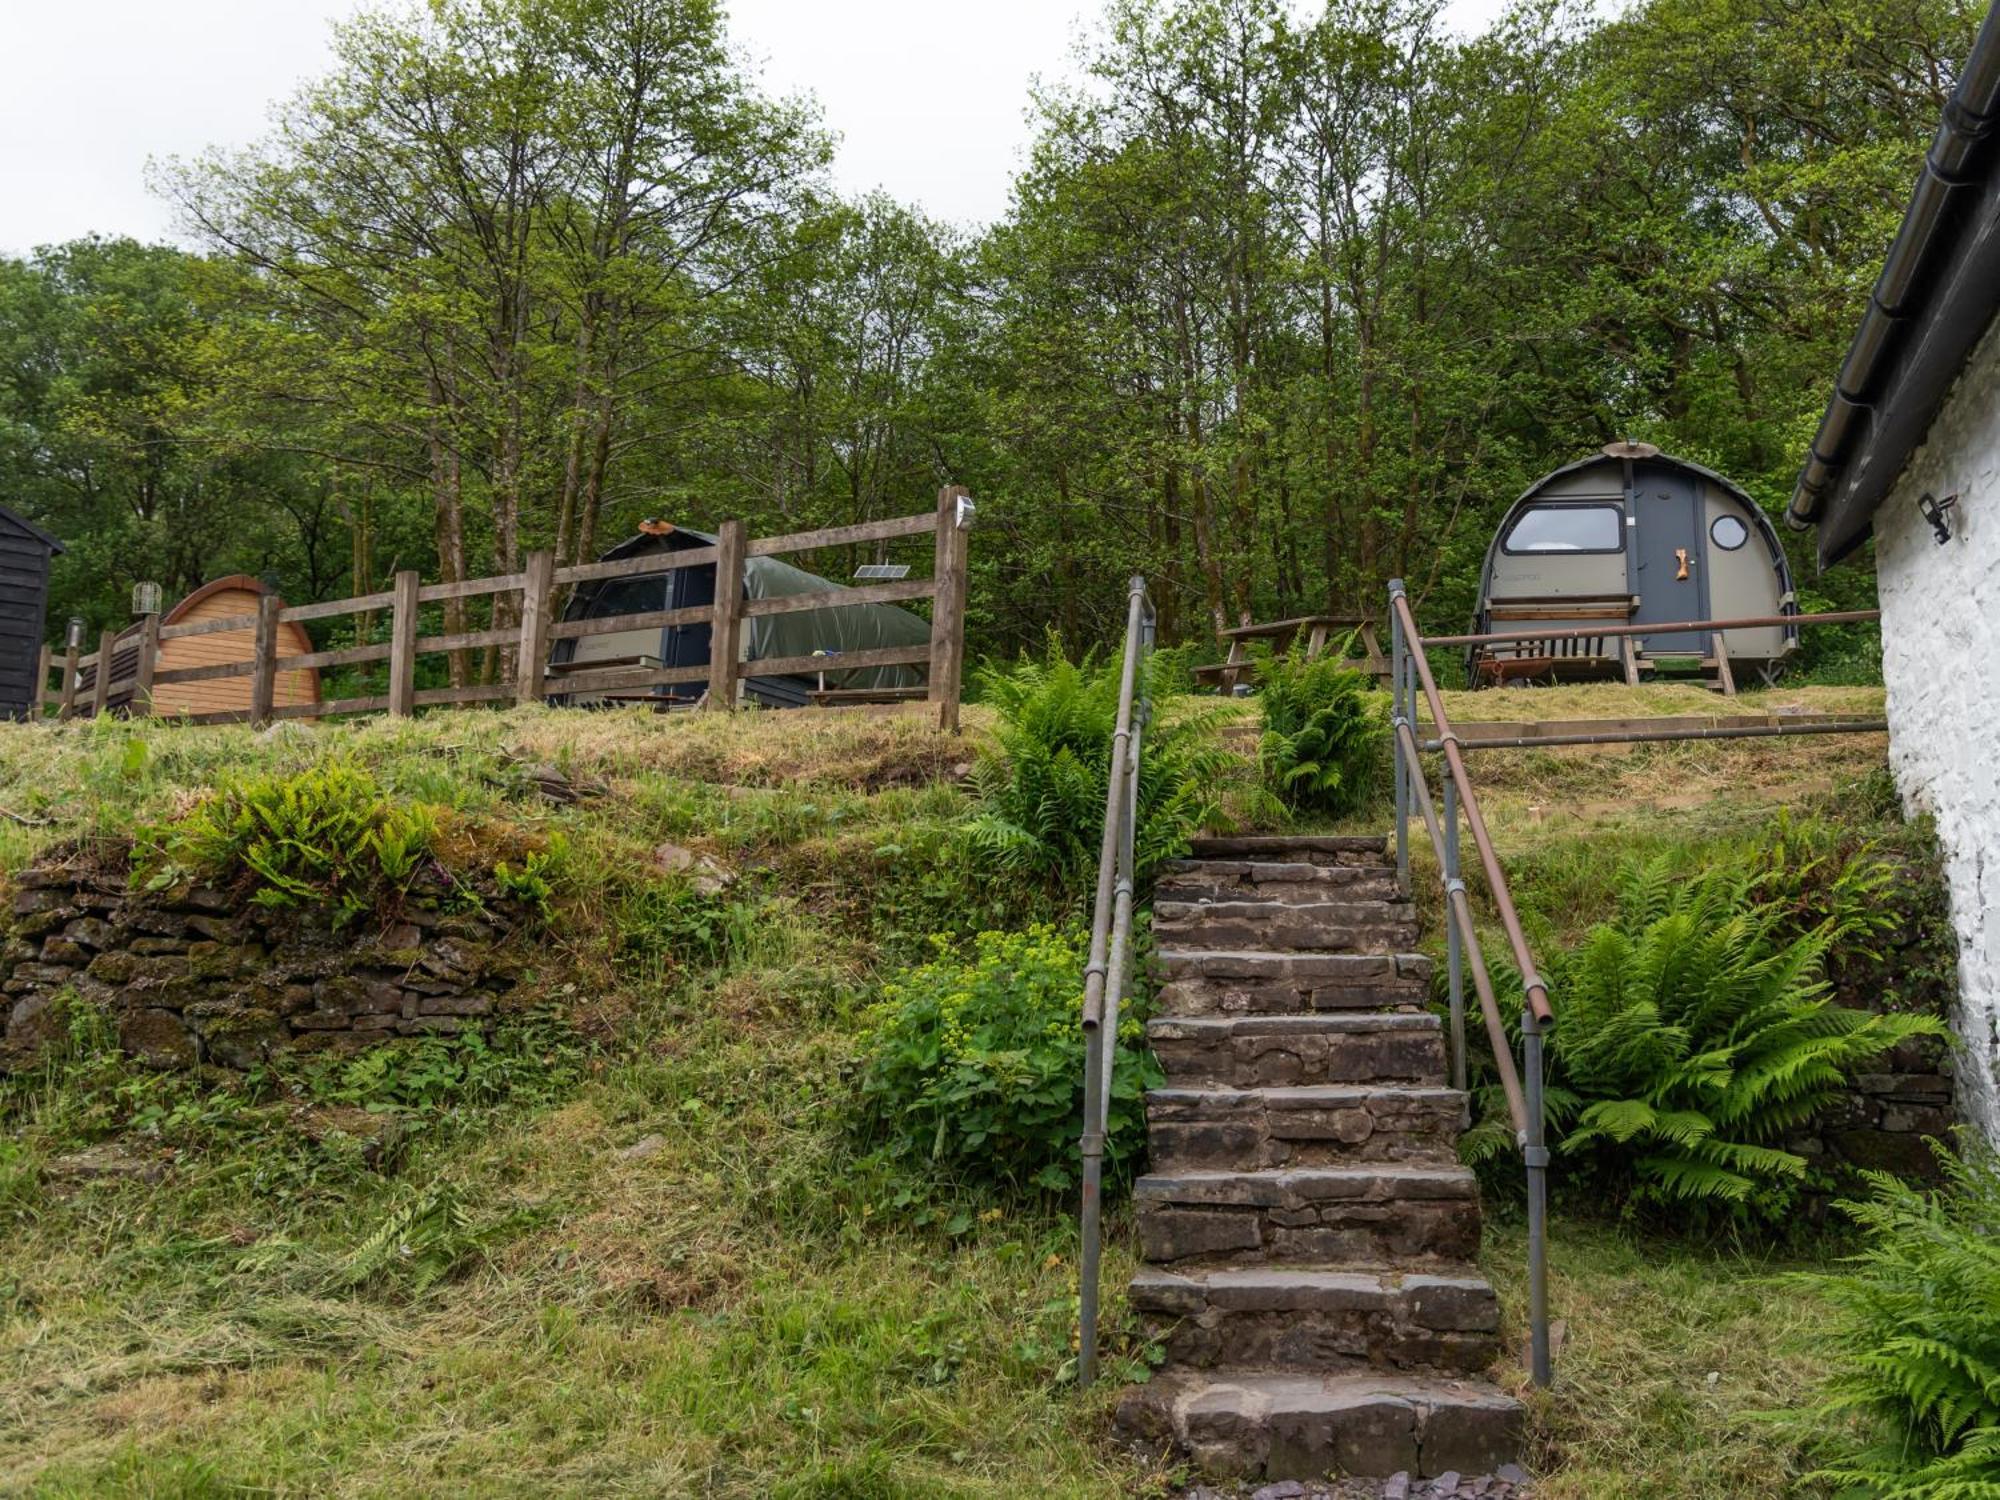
(1940, 625)
(194, 975)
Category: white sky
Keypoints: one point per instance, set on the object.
(928, 96)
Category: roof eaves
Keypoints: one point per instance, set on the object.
(1937, 292)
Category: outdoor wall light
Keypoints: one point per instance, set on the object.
(73, 638)
(1937, 513)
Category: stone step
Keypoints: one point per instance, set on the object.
(1205, 981)
(1330, 1125)
(1416, 1216)
(1309, 1318)
(1270, 1051)
(1315, 849)
(1279, 926)
(1257, 1424)
(1292, 882)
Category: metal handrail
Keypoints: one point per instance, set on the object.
(1522, 1085)
(1411, 674)
(1110, 952)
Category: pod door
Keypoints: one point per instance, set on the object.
(1668, 561)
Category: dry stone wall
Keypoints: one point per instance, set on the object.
(196, 975)
(1885, 1119)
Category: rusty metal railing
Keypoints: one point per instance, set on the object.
(1110, 954)
(1522, 1085)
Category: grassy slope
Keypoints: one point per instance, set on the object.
(725, 1313)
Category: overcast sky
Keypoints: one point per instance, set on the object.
(927, 96)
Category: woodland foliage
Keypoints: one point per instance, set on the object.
(1291, 300)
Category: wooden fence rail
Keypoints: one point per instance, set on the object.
(533, 591)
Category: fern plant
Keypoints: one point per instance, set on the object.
(1697, 1032)
(327, 836)
(1042, 786)
(1325, 733)
(1917, 1332)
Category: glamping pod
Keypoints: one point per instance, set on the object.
(1631, 536)
(224, 599)
(25, 550)
(833, 629)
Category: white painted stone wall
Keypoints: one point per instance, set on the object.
(1941, 660)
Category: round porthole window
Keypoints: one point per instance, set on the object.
(1728, 533)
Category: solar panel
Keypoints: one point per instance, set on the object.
(874, 571)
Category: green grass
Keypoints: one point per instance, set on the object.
(1674, 1367)
(740, 1308)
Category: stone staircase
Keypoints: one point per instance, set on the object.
(1308, 1231)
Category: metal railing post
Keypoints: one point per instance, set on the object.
(1523, 1089)
(1104, 971)
(1535, 1154)
(1400, 708)
(1454, 950)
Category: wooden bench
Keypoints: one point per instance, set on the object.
(1318, 630)
(1586, 657)
(1561, 658)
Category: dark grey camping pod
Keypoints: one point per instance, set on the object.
(1632, 536)
(25, 550)
(833, 630)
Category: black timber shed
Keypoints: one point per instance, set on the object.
(25, 550)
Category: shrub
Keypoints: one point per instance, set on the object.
(1326, 733)
(1695, 1032)
(326, 836)
(1042, 789)
(976, 1064)
(1917, 1335)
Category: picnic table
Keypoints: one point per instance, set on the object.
(1318, 630)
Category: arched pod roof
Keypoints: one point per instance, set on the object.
(1618, 454)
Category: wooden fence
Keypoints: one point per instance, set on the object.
(528, 636)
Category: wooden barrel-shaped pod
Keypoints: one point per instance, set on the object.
(1632, 536)
(236, 597)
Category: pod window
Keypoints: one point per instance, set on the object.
(1728, 533)
(1567, 528)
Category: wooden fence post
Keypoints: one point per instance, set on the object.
(42, 663)
(948, 609)
(100, 687)
(149, 661)
(264, 661)
(66, 702)
(725, 632)
(403, 645)
(537, 594)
